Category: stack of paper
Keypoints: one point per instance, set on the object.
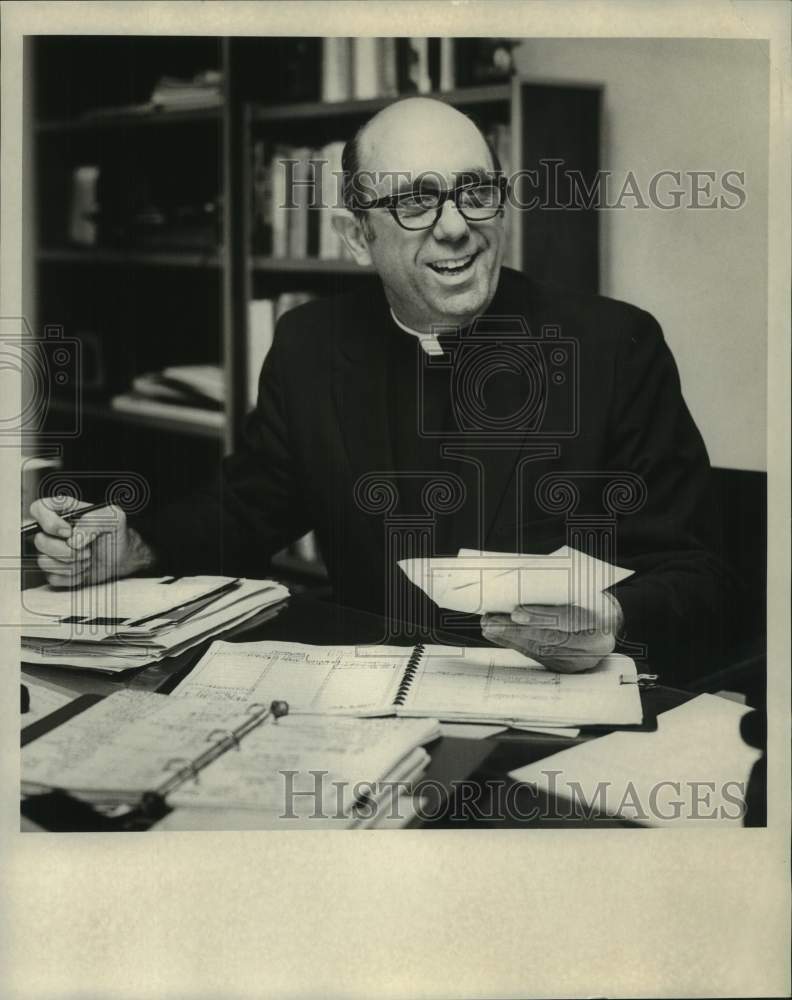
(204, 756)
(130, 623)
(476, 582)
(314, 772)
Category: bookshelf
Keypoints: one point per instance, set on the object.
(174, 263)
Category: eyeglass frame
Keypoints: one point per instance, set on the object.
(390, 202)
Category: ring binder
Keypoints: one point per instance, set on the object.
(258, 714)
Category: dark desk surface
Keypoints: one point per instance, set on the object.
(304, 619)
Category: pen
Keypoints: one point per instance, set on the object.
(72, 515)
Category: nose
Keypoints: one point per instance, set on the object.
(451, 225)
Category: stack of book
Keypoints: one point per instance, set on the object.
(365, 68)
(295, 190)
(192, 393)
(132, 623)
(263, 314)
(204, 90)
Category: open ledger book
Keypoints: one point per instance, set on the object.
(445, 682)
(138, 747)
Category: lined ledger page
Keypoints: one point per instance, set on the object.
(351, 680)
(126, 742)
(296, 761)
(502, 684)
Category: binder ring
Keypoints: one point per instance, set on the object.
(229, 734)
(176, 761)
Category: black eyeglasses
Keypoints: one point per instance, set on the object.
(476, 202)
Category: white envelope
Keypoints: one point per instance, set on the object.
(480, 582)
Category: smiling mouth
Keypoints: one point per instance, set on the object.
(454, 265)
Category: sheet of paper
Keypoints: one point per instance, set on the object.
(691, 772)
(476, 583)
(165, 631)
(340, 679)
(470, 730)
(126, 742)
(44, 699)
(567, 732)
(503, 685)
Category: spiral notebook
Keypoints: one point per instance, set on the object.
(445, 682)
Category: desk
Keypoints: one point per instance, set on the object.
(476, 763)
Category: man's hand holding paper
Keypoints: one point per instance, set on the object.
(565, 638)
(553, 608)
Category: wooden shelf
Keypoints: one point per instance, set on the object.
(149, 258)
(102, 411)
(307, 265)
(121, 117)
(328, 109)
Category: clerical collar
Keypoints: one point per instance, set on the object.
(428, 341)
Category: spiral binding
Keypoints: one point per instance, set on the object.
(409, 672)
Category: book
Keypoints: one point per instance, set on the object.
(330, 243)
(204, 90)
(261, 198)
(447, 79)
(202, 380)
(449, 683)
(159, 386)
(149, 749)
(302, 173)
(290, 300)
(388, 68)
(279, 213)
(417, 66)
(130, 403)
(132, 742)
(365, 68)
(336, 69)
(260, 329)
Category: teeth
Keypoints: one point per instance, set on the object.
(452, 264)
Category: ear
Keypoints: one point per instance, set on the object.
(350, 229)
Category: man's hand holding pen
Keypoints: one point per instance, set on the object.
(98, 546)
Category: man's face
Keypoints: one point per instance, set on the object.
(446, 274)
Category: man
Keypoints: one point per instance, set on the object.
(363, 412)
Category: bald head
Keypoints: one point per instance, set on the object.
(415, 136)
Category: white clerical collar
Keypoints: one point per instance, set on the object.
(429, 341)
